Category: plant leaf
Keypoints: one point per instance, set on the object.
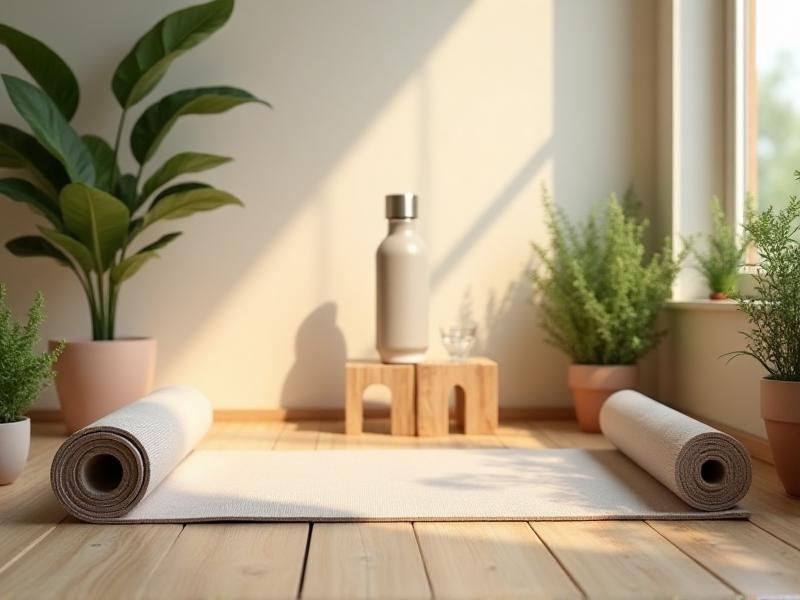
(184, 204)
(145, 65)
(128, 267)
(51, 128)
(161, 242)
(105, 166)
(19, 149)
(178, 187)
(46, 67)
(71, 246)
(34, 245)
(185, 162)
(97, 219)
(155, 122)
(24, 191)
(125, 189)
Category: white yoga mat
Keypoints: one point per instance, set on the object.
(137, 465)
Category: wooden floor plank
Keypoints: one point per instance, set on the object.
(298, 436)
(749, 559)
(490, 560)
(89, 561)
(461, 440)
(567, 434)
(364, 560)
(377, 434)
(232, 435)
(254, 560)
(524, 435)
(772, 508)
(626, 559)
(28, 509)
(329, 433)
(25, 523)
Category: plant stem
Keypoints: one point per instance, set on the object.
(139, 175)
(116, 147)
(112, 310)
(102, 301)
(86, 285)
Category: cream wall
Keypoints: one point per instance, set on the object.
(472, 104)
(701, 380)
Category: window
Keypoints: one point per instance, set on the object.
(772, 63)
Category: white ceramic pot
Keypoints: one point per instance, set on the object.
(96, 378)
(15, 442)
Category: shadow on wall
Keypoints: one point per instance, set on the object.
(531, 369)
(320, 352)
(338, 69)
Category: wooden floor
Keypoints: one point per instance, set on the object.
(43, 554)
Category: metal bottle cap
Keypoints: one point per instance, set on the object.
(401, 206)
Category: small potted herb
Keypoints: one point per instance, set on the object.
(24, 373)
(774, 337)
(600, 297)
(722, 257)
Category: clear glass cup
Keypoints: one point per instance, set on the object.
(459, 339)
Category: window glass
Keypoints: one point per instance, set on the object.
(777, 64)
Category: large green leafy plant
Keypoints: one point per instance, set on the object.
(774, 314)
(24, 372)
(599, 294)
(95, 210)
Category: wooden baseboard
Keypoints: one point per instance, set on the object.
(507, 413)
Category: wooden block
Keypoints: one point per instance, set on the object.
(475, 381)
(359, 375)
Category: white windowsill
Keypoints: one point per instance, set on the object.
(703, 304)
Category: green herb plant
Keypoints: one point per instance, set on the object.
(723, 255)
(774, 313)
(599, 295)
(24, 372)
(95, 210)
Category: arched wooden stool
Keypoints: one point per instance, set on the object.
(475, 381)
(359, 375)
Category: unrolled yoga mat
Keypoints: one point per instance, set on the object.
(137, 465)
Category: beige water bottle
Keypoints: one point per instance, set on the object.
(403, 281)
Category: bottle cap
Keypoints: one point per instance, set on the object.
(401, 206)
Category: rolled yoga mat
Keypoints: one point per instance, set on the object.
(706, 468)
(137, 465)
(104, 470)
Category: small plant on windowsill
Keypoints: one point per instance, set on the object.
(24, 373)
(600, 297)
(774, 336)
(722, 258)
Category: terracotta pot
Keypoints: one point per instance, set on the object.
(15, 441)
(780, 409)
(591, 386)
(718, 296)
(94, 379)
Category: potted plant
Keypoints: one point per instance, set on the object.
(774, 337)
(723, 256)
(600, 298)
(24, 373)
(96, 211)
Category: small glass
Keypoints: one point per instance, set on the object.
(459, 339)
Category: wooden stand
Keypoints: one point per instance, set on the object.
(398, 378)
(475, 381)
